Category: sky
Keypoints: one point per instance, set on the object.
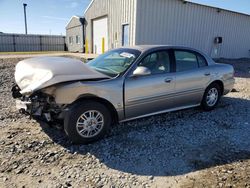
(43, 16)
(242, 6)
(51, 16)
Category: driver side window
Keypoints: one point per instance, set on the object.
(157, 62)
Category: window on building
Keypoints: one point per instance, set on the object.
(70, 40)
(77, 39)
(125, 35)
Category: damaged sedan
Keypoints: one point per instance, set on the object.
(120, 85)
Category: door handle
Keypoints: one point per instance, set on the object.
(168, 80)
(207, 74)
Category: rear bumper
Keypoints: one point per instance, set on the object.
(228, 86)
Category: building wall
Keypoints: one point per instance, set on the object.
(24, 43)
(75, 28)
(119, 12)
(189, 24)
(73, 32)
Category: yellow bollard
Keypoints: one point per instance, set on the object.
(86, 46)
(103, 45)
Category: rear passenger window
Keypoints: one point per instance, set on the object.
(185, 61)
(202, 61)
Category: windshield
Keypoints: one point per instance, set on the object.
(114, 62)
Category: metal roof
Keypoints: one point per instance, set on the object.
(81, 18)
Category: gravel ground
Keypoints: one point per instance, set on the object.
(60, 54)
(189, 148)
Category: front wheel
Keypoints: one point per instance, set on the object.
(87, 122)
(211, 97)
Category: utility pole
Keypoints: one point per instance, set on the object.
(25, 19)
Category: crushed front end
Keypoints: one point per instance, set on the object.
(37, 80)
(38, 105)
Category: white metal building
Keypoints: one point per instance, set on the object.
(217, 32)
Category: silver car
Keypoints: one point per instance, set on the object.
(120, 85)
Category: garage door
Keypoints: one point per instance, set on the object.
(100, 32)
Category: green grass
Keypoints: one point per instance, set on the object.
(27, 53)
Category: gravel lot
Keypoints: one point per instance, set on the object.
(189, 148)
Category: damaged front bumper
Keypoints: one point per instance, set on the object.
(22, 105)
(28, 108)
(39, 106)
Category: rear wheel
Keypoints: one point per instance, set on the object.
(211, 97)
(87, 122)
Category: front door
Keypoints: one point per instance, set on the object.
(151, 93)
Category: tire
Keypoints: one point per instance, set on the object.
(207, 104)
(78, 122)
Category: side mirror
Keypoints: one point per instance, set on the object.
(141, 71)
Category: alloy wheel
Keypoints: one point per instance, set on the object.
(90, 124)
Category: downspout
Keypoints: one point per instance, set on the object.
(83, 35)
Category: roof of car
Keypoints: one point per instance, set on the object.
(150, 47)
(144, 48)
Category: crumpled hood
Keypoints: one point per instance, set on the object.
(37, 73)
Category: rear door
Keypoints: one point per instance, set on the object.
(151, 93)
(192, 77)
